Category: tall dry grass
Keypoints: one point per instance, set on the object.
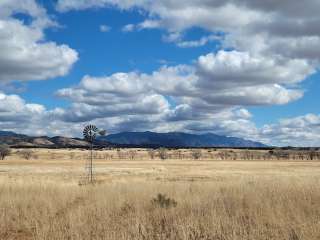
(250, 208)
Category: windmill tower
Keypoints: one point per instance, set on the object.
(90, 133)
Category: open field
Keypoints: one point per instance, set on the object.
(213, 197)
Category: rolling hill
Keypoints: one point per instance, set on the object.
(20, 140)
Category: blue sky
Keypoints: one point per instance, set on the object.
(105, 53)
(178, 68)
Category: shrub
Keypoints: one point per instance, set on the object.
(26, 154)
(179, 154)
(196, 154)
(4, 151)
(163, 202)
(132, 154)
(162, 152)
(313, 155)
(151, 153)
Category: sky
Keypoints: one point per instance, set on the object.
(242, 68)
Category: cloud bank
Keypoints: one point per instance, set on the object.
(267, 49)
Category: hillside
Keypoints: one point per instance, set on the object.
(178, 139)
(20, 140)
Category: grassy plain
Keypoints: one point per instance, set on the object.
(212, 197)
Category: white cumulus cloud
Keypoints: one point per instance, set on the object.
(24, 52)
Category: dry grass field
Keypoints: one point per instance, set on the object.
(219, 195)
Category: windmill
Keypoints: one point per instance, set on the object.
(90, 133)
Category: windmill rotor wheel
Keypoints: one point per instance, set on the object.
(90, 133)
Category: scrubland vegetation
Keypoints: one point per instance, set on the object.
(240, 209)
(190, 198)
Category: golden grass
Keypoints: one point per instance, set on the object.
(218, 200)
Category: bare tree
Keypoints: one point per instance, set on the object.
(233, 155)
(313, 155)
(132, 154)
(247, 155)
(4, 151)
(223, 155)
(26, 154)
(196, 154)
(151, 153)
(281, 155)
(179, 154)
(163, 154)
(106, 156)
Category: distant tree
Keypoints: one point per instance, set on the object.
(196, 154)
(223, 155)
(106, 156)
(163, 153)
(132, 154)
(4, 151)
(247, 155)
(179, 154)
(151, 153)
(26, 154)
(313, 155)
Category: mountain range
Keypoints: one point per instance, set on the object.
(137, 139)
(178, 139)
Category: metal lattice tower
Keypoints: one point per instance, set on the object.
(90, 133)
